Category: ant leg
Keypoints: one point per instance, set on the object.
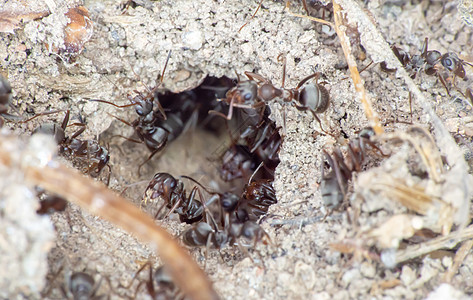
(316, 75)
(78, 132)
(230, 110)
(173, 208)
(444, 84)
(38, 115)
(282, 58)
(256, 77)
(159, 210)
(109, 174)
(151, 156)
(66, 120)
(410, 105)
(259, 6)
(304, 4)
(108, 102)
(245, 251)
(320, 124)
(308, 17)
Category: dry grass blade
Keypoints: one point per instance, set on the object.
(444, 242)
(354, 74)
(412, 197)
(459, 258)
(69, 183)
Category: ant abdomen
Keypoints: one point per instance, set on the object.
(314, 97)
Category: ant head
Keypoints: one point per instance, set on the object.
(81, 285)
(143, 107)
(246, 91)
(450, 60)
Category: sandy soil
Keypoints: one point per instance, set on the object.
(127, 51)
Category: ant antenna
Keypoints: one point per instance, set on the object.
(256, 171)
(259, 6)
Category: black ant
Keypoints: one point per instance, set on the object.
(334, 184)
(5, 95)
(428, 61)
(237, 162)
(211, 234)
(264, 141)
(159, 284)
(175, 198)
(77, 286)
(81, 286)
(256, 92)
(96, 156)
(236, 219)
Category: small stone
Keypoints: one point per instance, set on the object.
(407, 276)
(193, 39)
(447, 261)
(368, 270)
(350, 275)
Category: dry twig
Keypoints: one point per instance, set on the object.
(99, 200)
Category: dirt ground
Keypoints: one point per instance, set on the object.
(312, 257)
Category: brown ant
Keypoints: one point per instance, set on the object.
(256, 92)
(97, 156)
(175, 198)
(334, 184)
(256, 199)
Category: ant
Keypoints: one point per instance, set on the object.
(256, 199)
(77, 286)
(257, 143)
(264, 141)
(209, 233)
(172, 190)
(5, 96)
(97, 156)
(237, 217)
(81, 286)
(334, 184)
(237, 162)
(166, 289)
(256, 92)
(428, 61)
